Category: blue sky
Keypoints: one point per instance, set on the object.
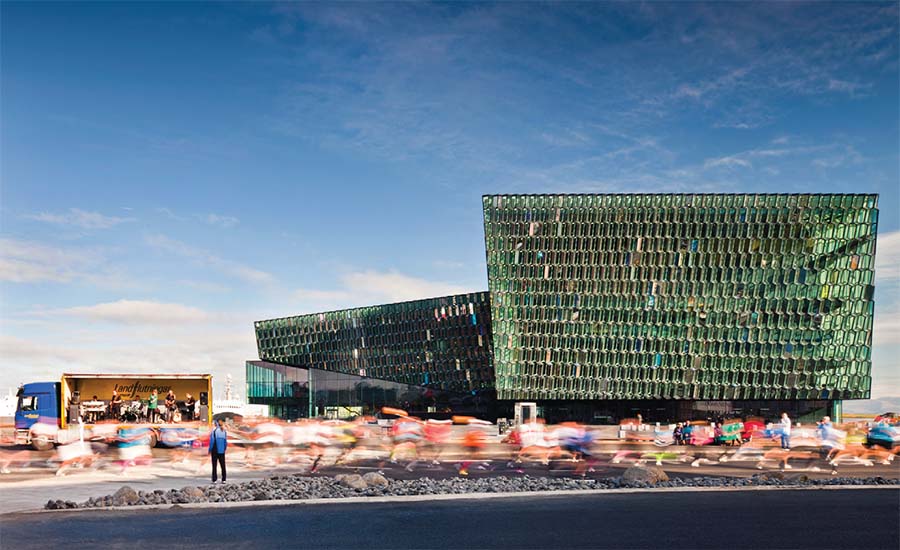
(172, 172)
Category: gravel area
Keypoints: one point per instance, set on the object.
(299, 487)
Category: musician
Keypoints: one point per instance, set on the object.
(189, 404)
(142, 410)
(115, 405)
(152, 405)
(91, 413)
(170, 406)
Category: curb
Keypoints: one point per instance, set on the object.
(453, 496)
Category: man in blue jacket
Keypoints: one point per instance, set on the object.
(218, 442)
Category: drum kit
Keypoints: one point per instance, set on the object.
(133, 411)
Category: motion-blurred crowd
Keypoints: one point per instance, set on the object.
(466, 443)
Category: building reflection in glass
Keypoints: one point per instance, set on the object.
(297, 392)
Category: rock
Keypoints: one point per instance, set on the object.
(125, 496)
(374, 479)
(192, 492)
(261, 496)
(353, 481)
(644, 474)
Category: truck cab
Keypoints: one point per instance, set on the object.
(38, 402)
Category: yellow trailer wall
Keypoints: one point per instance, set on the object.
(132, 388)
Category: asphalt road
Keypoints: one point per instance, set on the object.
(819, 519)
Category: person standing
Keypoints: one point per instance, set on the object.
(152, 405)
(218, 443)
(678, 434)
(189, 404)
(785, 431)
(170, 407)
(115, 406)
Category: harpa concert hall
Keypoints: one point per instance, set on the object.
(599, 307)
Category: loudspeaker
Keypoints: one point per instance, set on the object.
(76, 396)
(204, 398)
(204, 413)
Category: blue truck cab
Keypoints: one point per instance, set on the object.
(37, 402)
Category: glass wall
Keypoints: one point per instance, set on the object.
(284, 389)
(443, 343)
(295, 392)
(672, 410)
(696, 297)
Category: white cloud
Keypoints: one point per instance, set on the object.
(137, 312)
(848, 87)
(777, 151)
(211, 218)
(362, 288)
(567, 138)
(80, 218)
(215, 349)
(203, 257)
(887, 258)
(169, 214)
(726, 81)
(26, 262)
(448, 264)
(886, 329)
(727, 162)
(323, 296)
(398, 287)
(849, 155)
(205, 286)
(221, 221)
(29, 262)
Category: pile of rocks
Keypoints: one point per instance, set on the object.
(299, 487)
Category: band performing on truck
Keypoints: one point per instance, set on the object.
(49, 413)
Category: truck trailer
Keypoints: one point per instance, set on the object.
(49, 413)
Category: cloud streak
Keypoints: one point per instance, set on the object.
(206, 258)
(80, 218)
(368, 287)
(29, 262)
(224, 222)
(137, 312)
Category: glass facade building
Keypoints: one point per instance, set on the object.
(681, 297)
(601, 306)
(296, 392)
(441, 343)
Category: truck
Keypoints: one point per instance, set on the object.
(51, 413)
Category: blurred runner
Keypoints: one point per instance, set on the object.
(407, 437)
(134, 446)
(473, 445)
(437, 434)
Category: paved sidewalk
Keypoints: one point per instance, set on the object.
(33, 494)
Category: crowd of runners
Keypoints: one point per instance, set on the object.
(462, 444)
